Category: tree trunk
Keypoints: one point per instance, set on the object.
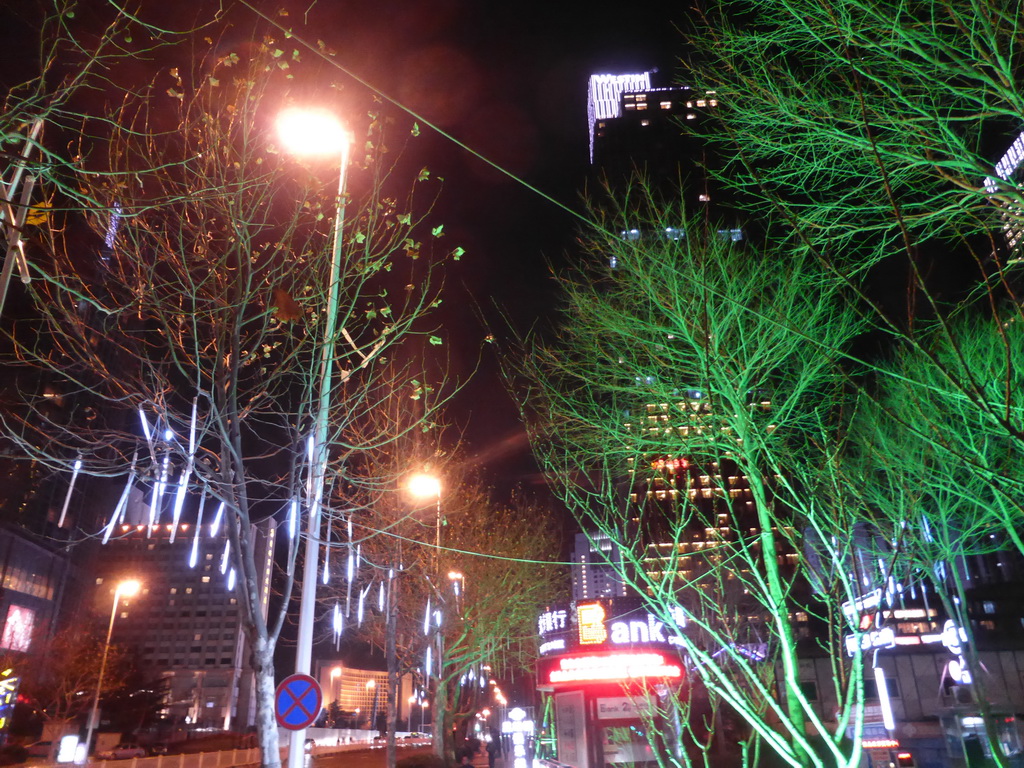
(440, 738)
(391, 654)
(266, 723)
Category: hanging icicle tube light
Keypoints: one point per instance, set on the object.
(71, 487)
(215, 525)
(193, 557)
(293, 519)
(122, 503)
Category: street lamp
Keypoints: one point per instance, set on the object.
(128, 588)
(426, 486)
(316, 132)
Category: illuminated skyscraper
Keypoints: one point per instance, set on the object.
(596, 568)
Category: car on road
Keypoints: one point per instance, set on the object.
(122, 751)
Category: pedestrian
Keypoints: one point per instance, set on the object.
(493, 749)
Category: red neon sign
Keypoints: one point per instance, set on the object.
(615, 666)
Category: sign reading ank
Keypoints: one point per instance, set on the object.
(611, 623)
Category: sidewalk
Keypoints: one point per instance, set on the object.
(480, 760)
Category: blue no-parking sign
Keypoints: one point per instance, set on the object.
(297, 702)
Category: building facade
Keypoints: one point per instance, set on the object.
(596, 567)
(185, 623)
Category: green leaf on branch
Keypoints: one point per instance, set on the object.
(424, 174)
(415, 129)
(436, 340)
(438, 231)
(404, 218)
(457, 253)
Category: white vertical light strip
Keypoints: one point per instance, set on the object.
(158, 495)
(380, 598)
(231, 580)
(71, 487)
(215, 525)
(179, 501)
(338, 623)
(883, 699)
(362, 603)
(224, 556)
(193, 557)
(326, 575)
(146, 428)
(293, 519)
(427, 666)
(426, 619)
(122, 503)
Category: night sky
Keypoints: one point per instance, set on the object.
(507, 79)
(510, 81)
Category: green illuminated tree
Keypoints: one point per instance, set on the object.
(870, 136)
(692, 411)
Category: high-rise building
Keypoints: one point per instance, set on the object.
(596, 567)
(636, 126)
(1010, 169)
(185, 623)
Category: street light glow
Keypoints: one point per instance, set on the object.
(424, 486)
(311, 132)
(129, 588)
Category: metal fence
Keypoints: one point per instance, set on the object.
(229, 758)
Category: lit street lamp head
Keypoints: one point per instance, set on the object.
(129, 588)
(424, 486)
(311, 132)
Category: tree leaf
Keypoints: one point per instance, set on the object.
(436, 340)
(438, 231)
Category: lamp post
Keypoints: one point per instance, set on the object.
(315, 132)
(128, 588)
(427, 486)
